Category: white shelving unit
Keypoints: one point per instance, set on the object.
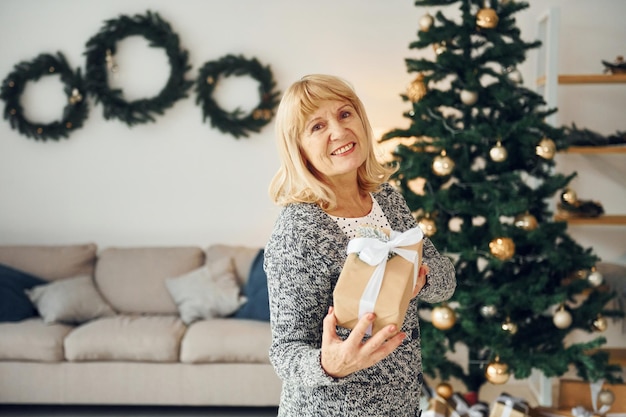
(546, 71)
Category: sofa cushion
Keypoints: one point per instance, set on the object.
(32, 340)
(227, 341)
(207, 292)
(14, 303)
(132, 280)
(126, 338)
(257, 306)
(51, 262)
(72, 300)
(242, 258)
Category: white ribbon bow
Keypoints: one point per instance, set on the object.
(580, 411)
(478, 410)
(375, 252)
(463, 409)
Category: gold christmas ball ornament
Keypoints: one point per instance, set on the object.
(497, 372)
(509, 326)
(443, 317)
(487, 18)
(442, 164)
(416, 185)
(513, 74)
(562, 318)
(606, 397)
(569, 196)
(498, 153)
(469, 97)
(595, 278)
(76, 97)
(428, 226)
(600, 323)
(426, 22)
(546, 148)
(525, 221)
(439, 47)
(444, 390)
(417, 89)
(455, 224)
(488, 311)
(502, 248)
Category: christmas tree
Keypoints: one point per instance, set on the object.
(476, 168)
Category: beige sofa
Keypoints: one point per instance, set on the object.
(135, 347)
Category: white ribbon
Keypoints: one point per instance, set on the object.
(580, 411)
(463, 409)
(478, 410)
(457, 407)
(375, 252)
(509, 403)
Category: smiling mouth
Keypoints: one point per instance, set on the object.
(343, 149)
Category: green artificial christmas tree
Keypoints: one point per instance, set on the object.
(476, 168)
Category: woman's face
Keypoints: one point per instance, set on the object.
(334, 140)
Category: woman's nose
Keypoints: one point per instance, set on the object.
(335, 130)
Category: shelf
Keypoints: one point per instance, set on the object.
(586, 79)
(595, 149)
(610, 219)
(592, 79)
(617, 356)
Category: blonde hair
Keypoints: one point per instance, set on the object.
(296, 181)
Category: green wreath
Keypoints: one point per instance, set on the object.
(237, 122)
(100, 51)
(74, 113)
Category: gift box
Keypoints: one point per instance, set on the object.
(455, 406)
(576, 393)
(508, 406)
(378, 276)
(576, 399)
(439, 407)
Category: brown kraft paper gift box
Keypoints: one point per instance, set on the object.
(573, 393)
(577, 393)
(395, 292)
(509, 406)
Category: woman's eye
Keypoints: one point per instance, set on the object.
(316, 127)
(345, 114)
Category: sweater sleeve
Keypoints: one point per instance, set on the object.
(299, 283)
(441, 280)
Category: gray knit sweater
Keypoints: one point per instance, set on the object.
(303, 260)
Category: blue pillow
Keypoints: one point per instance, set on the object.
(14, 303)
(258, 306)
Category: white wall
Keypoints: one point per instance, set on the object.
(589, 34)
(179, 181)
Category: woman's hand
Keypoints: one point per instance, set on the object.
(343, 357)
(421, 279)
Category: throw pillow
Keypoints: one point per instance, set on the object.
(72, 301)
(257, 307)
(207, 292)
(14, 304)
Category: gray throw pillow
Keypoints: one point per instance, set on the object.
(72, 300)
(207, 292)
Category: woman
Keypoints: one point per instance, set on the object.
(329, 183)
